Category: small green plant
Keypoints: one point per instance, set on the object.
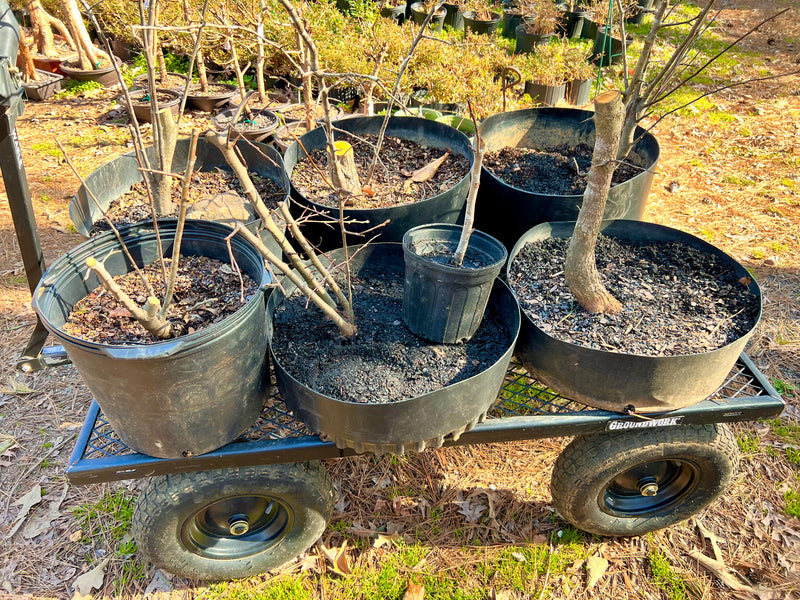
(777, 247)
(76, 88)
(793, 455)
(792, 500)
(46, 148)
(784, 388)
(706, 233)
(110, 516)
(132, 568)
(665, 577)
(747, 442)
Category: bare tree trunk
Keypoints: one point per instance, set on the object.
(74, 21)
(28, 68)
(164, 153)
(580, 269)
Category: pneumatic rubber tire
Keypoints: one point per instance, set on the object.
(232, 523)
(632, 482)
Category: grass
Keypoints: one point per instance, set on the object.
(75, 88)
(792, 500)
(665, 577)
(48, 148)
(109, 517)
(747, 442)
(280, 588)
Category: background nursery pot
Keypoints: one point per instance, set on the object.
(412, 424)
(48, 84)
(140, 100)
(481, 26)
(105, 77)
(506, 212)
(613, 380)
(444, 207)
(177, 397)
(115, 178)
(441, 302)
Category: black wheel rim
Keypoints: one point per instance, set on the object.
(237, 527)
(649, 488)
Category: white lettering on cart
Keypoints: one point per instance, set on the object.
(665, 422)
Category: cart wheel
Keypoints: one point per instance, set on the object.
(232, 523)
(633, 482)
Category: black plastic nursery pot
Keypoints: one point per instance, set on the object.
(396, 13)
(573, 23)
(105, 77)
(579, 91)
(115, 178)
(443, 303)
(179, 397)
(506, 212)
(644, 8)
(607, 49)
(408, 425)
(256, 127)
(419, 14)
(613, 380)
(481, 26)
(140, 100)
(545, 94)
(510, 22)
(140, 82)
(453, 16)
(444, 207)
(527, 42)
(211, 102)
(47, 85)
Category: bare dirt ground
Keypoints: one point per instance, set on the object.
(729, 172)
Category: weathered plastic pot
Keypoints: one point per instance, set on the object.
(453, 17)
(579, 91)
(614, 380)
(545, 94)
(527, 42)
(443, 303)
(463, 124)
(412, 424)
(444, 207)
(49, 84)
(248, 129)
(396, 13)
(419, 14)
(506, 212)
(179, 397)
(141, 82)
(573, 23)
(105, 77)
(644, 8)
(510, 22)
(589, 29)
(115, 178)
(211, 102)
(481, 26)
(140, 100)
(607, 49)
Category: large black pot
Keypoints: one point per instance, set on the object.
(481, 26)
(178, 397)
(105, 77)
(613, 380)
(408, 425)
(506, 212)
(116, 177)
(442, 208)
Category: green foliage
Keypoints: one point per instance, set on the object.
(290, 587)
(792, 500)
(747, 442)
(665, 577)
(74, 88)
(110, 516)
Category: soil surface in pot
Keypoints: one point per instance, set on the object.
(254, 121)
(206, 186)
(391, 184)
(552, 170)
(298, 112)
(441, 252)
(170, 82)
(103, 62)
(206, 291)
(385, 362)
(143, 99)
(214, 89)
(676, 299)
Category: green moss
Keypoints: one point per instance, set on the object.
(748, 443)
(665, 577)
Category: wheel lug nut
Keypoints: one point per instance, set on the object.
(238, 525)
(649, 489)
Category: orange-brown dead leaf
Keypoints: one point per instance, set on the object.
(425, 173)
(415, 591)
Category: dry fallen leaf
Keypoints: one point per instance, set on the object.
(32, 498)
(39, 524)
(596, 566)
(386, 540)
(745, 281)
(415, 591)
(337, 557)
(425, 173)
(17, 388)
(91, 580)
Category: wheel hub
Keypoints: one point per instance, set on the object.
(239, 524)
(648, 487)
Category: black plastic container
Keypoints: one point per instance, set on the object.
(443, 303)
(607, 49)
(211, 102)
(527, 42)
(140, 100)
(48, 84)
(573, 23)
(506, 212)
(249, 130)
(178, 397)
(545, 94)
(510, 22)
(396, 13)
(408, 425)
(639, 14)
(453, 17)
(105, 77)
(419, 14)
(480, 26)
(444, 207)
(116, 177)
(579, 91)
(140, 82)
(613, 380)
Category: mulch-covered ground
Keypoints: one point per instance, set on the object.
(728, 173)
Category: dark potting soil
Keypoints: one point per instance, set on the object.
(676, 299)
(251, 121)
(391, 184)
(553, 170)
(214, 89)
(206, 291)
(133, 206)
(171, 82)
(385, 362)
(441, 252)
